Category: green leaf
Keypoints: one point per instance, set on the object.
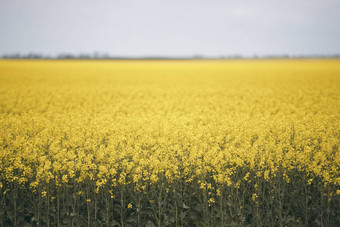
(182, 214)
(115, 223)
(185, 206)
(150, 224)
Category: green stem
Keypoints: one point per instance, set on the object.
(58, 209)
(176, 213)
(107, 211)
(15, 207)
(88, 211)
(306, 204)
(48, 209)
(221, 207)
(159, 207)
(122, 208)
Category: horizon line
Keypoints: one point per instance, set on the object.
(96, 56)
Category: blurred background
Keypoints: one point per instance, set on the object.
(169, 29)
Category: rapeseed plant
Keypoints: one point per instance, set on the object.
(172, 143)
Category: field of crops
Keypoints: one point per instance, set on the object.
(170, 143)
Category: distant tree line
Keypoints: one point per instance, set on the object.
(107, 56)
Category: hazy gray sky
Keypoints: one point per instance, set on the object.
(170, 27)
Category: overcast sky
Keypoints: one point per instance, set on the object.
(170, 27)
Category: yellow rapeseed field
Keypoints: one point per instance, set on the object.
(170, 143)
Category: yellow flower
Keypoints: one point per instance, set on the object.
(211, 201)
(254, 196)
(218, 192)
